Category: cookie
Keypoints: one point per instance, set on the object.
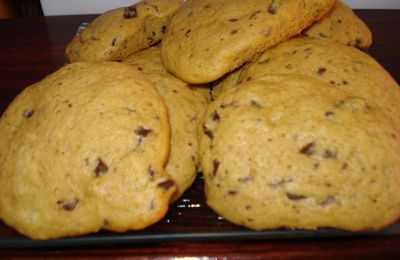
(290, 151)
(341, 66)
(117, 33)
(186, 107)
(209, 38)
(83, 150)
(149, 61)
(343, 26)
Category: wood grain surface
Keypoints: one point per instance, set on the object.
(32, 47)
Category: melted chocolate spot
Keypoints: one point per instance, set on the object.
(216, 164)
(329, 113)
(292, 196)
(68, 205)
(321, 71)
(101, 168)
(308, 149)
(141, 131)
(130, 12)
(114, 42)
(208, 132)
(215, 116)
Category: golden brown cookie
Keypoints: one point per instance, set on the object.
(341, 66)
(343, 26)
(117, 33)
(186, 107)
(209, 38)
(149, 61)
(83, 150)
(290, 151)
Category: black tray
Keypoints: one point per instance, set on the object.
(188, 219)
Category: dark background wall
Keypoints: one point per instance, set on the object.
(14, 8)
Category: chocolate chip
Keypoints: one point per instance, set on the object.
(344, 166)
(166, 184)
(234, 31)
(308, 149)
(215, 116)
(232, 193)
(254, 103)
(292, 196)
(208, 132)
(150, 171)
(329, 113)
(28, 113)
(163, 29)
(271, 8)
(187, 33)
(233, 20)
(329, 154)
(339, 21)
(130, 12)
(68, 205)
(216, 164)
(101, 168)
(114, 41)
(141, 131)
(321, 71)
(225, 105)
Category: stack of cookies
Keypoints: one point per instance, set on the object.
(291, 125)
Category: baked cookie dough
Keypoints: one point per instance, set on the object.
(83, 150)
(149, 61)
(209, 38)
(343, 26)
(186, 107)
(117, 33)
(290, 151)
(343, 67)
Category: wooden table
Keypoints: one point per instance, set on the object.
(31, 48)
